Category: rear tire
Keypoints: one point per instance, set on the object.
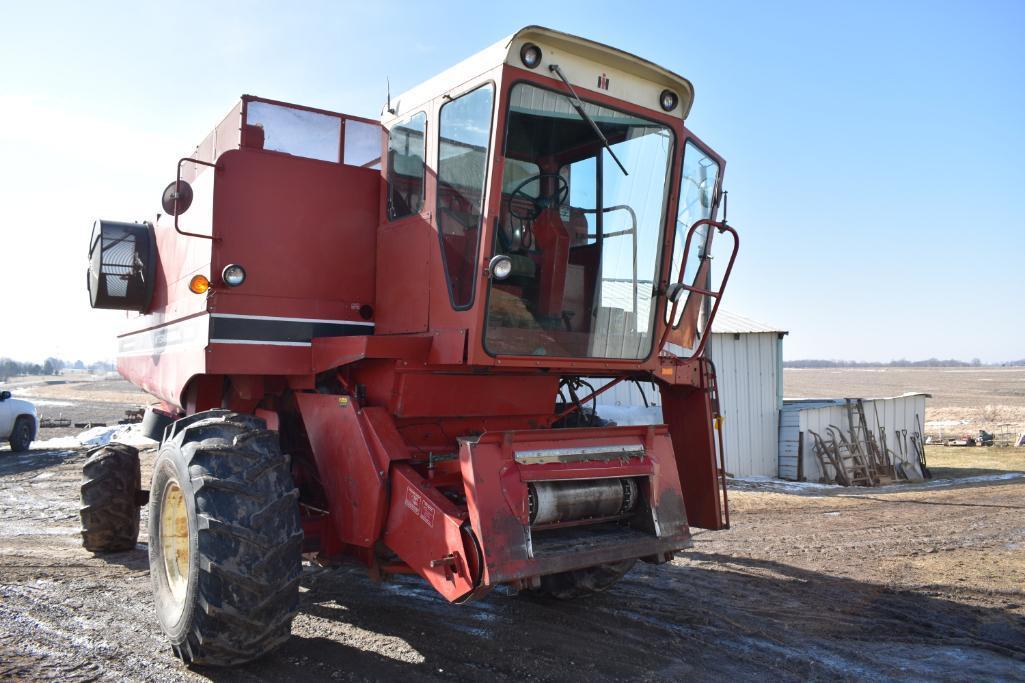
(21, 435)
(225, 539)
(580, 583)
(111, 499)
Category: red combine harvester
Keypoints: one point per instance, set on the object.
(373, 341)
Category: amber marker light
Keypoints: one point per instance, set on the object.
(199, 284)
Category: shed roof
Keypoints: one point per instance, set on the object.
(727, 322)
(813, 403)
(618, 293)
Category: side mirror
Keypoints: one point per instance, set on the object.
(177, 198)
(4, 395)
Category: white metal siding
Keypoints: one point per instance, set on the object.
(789, 447)
(897, 413)
(748, 376)
(748, 370)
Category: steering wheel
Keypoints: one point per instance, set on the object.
(540, 203)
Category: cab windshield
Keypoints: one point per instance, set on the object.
(584, 237)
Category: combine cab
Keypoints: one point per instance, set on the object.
(373, 341)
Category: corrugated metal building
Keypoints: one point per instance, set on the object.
(899, 417)
(748, 357)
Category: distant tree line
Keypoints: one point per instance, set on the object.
(902, 363)
(51, 366)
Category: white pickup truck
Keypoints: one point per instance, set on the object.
(18, 422)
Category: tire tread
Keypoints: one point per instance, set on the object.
(249, 540)
(109, 514)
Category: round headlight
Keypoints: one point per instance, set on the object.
(500, 267)
(233, 275)
(530, 55)
(668, 100)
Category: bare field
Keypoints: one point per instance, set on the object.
(71, 387)
(911, 582)
(964, 400)
(79, 398)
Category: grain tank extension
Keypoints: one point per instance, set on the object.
(379, 341)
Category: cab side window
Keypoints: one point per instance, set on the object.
(406, 166)
(464, 135)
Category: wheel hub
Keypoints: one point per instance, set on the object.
(174, 541)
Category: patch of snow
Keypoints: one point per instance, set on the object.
(934, 483)
(130, 435)
(56, 442)
(809, 487)
(781, 485)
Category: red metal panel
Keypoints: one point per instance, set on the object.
(448, 347)
(418, 394)
(496, 496)
(675, 371)
(203, 392)
(351, 469)
(688, 413)
(239, 302)
(424, 530)
(301, 228)
(164, 374)
(332, 352)
(384, 436)
(230, 359)
(404, 263)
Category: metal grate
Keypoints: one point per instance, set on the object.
(122, 265)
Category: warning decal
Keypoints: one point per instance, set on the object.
(420, 506)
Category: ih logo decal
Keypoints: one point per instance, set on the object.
(603, 82)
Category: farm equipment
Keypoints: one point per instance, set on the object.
(411, 309)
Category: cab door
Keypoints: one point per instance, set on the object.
(404, 239)
(464, 142)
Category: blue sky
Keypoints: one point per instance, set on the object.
(876, 150)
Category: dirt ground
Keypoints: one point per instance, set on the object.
(964, 400)
(919, 582)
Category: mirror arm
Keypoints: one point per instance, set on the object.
(178, 180)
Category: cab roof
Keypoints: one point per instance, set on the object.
(553, 44)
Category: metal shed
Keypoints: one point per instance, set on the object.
(899, 417)
(748, 357)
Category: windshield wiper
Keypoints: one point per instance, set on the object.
(579, 106)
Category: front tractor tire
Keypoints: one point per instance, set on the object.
(225, 539)
(111, 499)
(580, 583)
